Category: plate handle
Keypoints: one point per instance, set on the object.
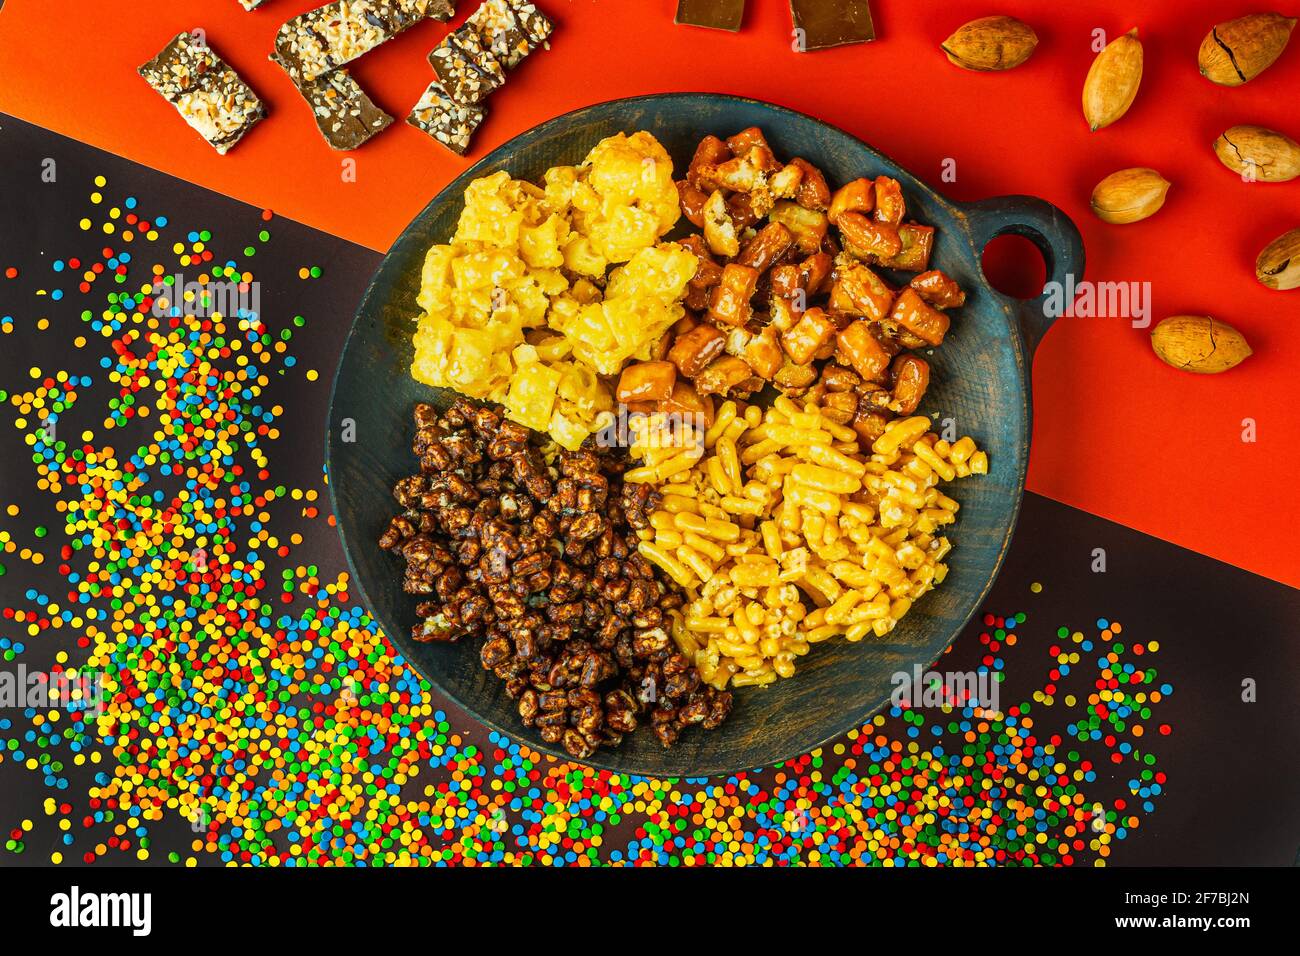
(1056, 237)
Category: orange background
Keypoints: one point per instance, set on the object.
(1116, 432)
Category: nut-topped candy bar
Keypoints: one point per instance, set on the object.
(447, 121)
(510, 29)
(251, 4)
(468, 70)
(210, 95)
(344, 114)
(328, 37)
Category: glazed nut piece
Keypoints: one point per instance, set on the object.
(742, 173)
(786, 182)
(913, 314)
(692, 200)
(815, 270)
(813, 192)
(911, 375)
(858, 348)
(810, 334)
(788, 281)
(725, 373)
(692, 351)
(647, 382)
(856, 196)
(747, 139)
(686, 401)
(719, 230)
(859, 291)
(707, 274)
(808, 226)
(729, 301)
(768, 245)
(708, 154)
(763, 353)
(938, 290)
(916, 242)
(869, 238)
(890, 207)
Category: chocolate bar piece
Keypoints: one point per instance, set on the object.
(447, 121)
(715, 14)
(535, 24)
(251, 4)
(344, 114)
(328, 37)
(825, 23)
(468, 71)
(510, 29)
(205, 91)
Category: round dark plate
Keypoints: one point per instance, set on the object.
(980, 380)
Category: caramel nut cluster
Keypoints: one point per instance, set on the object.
(533, 561)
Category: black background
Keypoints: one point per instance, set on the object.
(1233, 791)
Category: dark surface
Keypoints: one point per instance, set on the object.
(1233, 790)
(980, 380)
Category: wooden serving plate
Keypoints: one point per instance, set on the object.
(980, 379)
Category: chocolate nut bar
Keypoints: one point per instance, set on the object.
(328, 37)
(344, 114)
(509, 29)
(210, 96)
(251, 4)
(447, 121)
(468, 71)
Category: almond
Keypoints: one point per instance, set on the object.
(1236, 52)
(1198, 343)
(1129, 195)
(1260, 154)
(1278, 266)
(991, 43)
(1113, 81)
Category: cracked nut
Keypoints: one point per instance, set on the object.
(991, 43)
(1198, 343)
(1113, 81)
(1129, 195)
(1236, 52)
(1278, 266)
(1256, 153)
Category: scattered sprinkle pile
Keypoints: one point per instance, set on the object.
(250, 712)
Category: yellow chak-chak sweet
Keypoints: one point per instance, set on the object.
(502, 320)
(784, 532)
